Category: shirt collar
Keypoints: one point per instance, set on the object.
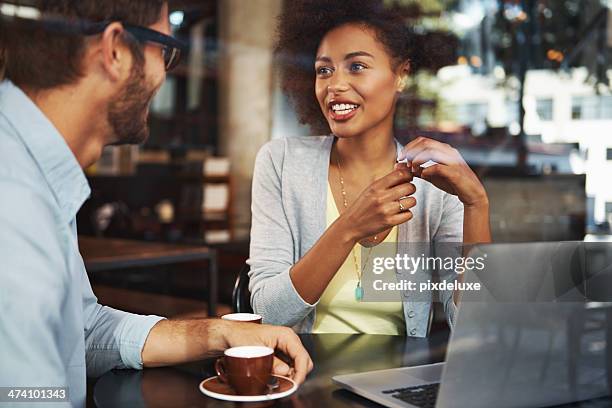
(47, 147)
(398, 148)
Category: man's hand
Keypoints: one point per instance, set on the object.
(281, 339)
(180, 341)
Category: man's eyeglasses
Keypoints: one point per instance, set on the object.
(171, 47)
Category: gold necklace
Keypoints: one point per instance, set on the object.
(358, 270)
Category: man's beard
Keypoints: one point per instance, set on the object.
(127, 114)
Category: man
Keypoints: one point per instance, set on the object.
(79, 78)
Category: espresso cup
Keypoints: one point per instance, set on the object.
(243, 317)
(247, 369)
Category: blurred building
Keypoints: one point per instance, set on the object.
(561, 108)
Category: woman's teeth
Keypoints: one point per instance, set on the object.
(343, 108)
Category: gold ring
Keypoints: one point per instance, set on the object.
(401, 206)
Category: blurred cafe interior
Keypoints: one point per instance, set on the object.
(521, 88)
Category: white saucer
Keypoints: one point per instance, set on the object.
(216, 389)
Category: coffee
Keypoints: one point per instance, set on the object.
(247, 369)
(243, 317)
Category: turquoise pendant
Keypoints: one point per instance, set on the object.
(358, 292)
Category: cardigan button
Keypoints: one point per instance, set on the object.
(411, 314)
(412, 332)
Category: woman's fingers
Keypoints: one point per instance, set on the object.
(400, 217)
(423, 150)
(412, 148)
(399, 166)
(442, 176)
(407, 148)
(407, 202)
(439, 170)
(439, 156)
(418, 145)
(393, 207)
(398, 176)
(401, 190)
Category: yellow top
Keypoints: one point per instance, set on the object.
(339, 312)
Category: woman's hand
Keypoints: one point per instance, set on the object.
(378, 207)
(449, 173)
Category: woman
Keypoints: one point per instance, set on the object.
(317, 201)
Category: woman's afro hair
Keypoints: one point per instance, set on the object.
(303, 24)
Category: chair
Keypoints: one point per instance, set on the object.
(241, 297)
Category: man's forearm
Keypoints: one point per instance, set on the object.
(179, 341)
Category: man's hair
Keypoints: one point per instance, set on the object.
(39, 58)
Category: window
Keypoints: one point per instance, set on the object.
(472, 113)
(606, 106)
(609, 154)
(576, 108)
(594, 107)
(608, 208)
(544, 107)
(512, 110)
(590, 107)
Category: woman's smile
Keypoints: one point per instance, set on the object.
(340, 111)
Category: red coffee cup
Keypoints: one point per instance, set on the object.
(247, 369)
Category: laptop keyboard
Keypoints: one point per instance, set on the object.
(423, 396)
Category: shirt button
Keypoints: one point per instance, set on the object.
(412, 332)
(411, 314)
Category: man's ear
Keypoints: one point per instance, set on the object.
(116, 56)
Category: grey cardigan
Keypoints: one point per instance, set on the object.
(288, 209)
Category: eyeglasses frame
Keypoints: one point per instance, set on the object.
(170, 45)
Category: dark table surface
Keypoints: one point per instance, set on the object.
(109, 254)
(332, 354)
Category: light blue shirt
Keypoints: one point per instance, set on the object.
(53, 332)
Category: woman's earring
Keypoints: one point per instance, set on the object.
(403, 83)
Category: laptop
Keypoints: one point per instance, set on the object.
(535, 336)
